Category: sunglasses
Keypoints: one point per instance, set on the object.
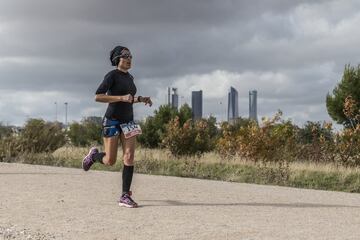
(126, 56)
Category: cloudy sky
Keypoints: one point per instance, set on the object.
(292, 52)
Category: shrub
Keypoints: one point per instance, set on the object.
(5, 131)
(226, 144)
(40, 136)
(348, 142)
(316, 142)
(87, 132)
(37, 136)
(154, 128)
(348, 147)
(273, 141)
(77, 134)
(188, 139)
(150, 136)
(9, 148)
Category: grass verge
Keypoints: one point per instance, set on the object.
(213, 166)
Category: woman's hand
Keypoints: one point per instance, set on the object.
(146, 100)
(127, 98)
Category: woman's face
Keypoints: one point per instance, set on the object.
(125, 59)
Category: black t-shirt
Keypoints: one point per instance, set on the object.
(118, 83)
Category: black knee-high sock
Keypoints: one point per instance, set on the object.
(99, 156)
(127, 175)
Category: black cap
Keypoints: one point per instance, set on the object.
(115, 55)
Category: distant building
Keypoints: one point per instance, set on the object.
(253, 105)
(175, 99)
(196, 104)
(233, 108)
(168, 97)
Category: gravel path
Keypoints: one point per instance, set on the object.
(41, 202)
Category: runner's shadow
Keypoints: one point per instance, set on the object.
(170, 203)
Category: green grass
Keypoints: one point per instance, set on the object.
(213, 166)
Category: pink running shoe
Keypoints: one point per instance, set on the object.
(127, 201)
(88, 160)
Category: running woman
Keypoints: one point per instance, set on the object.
(118, 90)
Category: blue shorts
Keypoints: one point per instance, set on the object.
(111, 127)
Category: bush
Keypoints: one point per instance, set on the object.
(5, 131)
(348, 147)
(37, 136)
(151, 133)
(348, 142)
(188, 139)
(316, 142)
(9, 148)
(226, 143)
(40, 136)
(87, 132)
(77, 134)
(271, 142)
(154, 128)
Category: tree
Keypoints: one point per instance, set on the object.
(312, 131)
(93, 129)
(150, 136)
(349, 86)
(40, 136)
(5, 131)
(154, 128)
(185, 113)
(193, 137)
(87, 132)
(77, 134)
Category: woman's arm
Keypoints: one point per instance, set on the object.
(110, 99)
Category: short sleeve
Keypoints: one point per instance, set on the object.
(105, 85)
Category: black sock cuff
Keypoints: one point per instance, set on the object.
(127, 177)
(131, 168)
(99, 156)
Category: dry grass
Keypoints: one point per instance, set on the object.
(329, 168)
(214, 166)
(77, 153)
(213, 157)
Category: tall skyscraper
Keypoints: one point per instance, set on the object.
(196, 104)
(233, 109)
(175, 99)
(253, 105)
(168, 96)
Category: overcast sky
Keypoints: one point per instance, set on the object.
(292, 52)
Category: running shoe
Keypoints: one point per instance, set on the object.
(88, 160)
(127, 201)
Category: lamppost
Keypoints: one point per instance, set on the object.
(224, 111)
(66, 108)
(55, 111)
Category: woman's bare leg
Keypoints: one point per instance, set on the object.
(111, 147)
(128, 146)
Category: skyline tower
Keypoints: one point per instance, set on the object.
(233, 107)
(168, 96)
(253, 105)
(197, 104)
(175, 99)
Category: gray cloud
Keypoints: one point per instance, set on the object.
(293, 52)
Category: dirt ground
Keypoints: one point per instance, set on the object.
(41, 202)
